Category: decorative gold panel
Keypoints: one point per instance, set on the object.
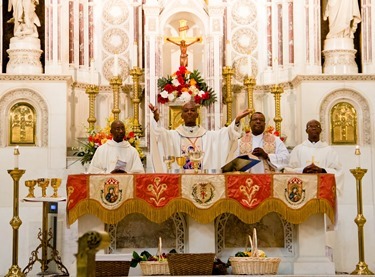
(175, 117)
(343, 124)
(22, 124)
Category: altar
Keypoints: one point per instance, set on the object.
(303, 199)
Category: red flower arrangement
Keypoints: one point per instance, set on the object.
(184, 85)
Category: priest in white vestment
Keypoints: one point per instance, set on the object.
(215, 145)
(116, 155)
(315, 156)
(267, 147)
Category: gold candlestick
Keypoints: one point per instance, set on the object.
(360, 220)
(92, 91)
(15, 222)
(249, 83)
(277, 90)
(227, 73)
(136, 73)
(116, 83)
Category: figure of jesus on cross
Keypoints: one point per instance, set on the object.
(183, 42)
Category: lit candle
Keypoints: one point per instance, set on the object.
(115, 65)
(16, 153)
(160, 246)
(228, 56)
(249, 65)
(358, 154)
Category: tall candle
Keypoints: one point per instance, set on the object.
(228, 54)
(16, 153)
(249, 65)
(135, 53)
(358, 155)
(276, 66)
(92, 71)
(115, 65)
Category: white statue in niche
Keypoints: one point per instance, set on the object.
(343, 16)
(24, 17)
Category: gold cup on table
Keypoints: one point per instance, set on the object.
(196, 158)
(31, 185)
(55, 184)
(181, 161)
(43, 184)
(169, 160)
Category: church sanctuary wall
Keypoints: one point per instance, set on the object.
(312, 96)
(47, 159)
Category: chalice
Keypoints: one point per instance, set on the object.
(43, 183)
(181, 161)
(55, 184)
(169, 160)
(196, 158)
(31, 185)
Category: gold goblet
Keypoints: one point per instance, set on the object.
(181, 161)
(43, 183)
(55, 184)
(196, 157)
(169, 160)
(31, 185)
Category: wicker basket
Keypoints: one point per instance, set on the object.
(154, 267)
(111, 265)
(254, 265)
(191, 264)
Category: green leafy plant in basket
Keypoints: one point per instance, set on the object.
(146, 256)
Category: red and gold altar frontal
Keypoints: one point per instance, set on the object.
(201, 196)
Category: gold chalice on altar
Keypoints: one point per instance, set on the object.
(181, 161)
(43, 184)
(31, 185)
(169, 160)
(55, 184)
(196, 158)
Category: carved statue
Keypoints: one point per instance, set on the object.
(343, 16)
(24, 17)
(183, 48)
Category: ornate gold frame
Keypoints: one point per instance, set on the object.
(22, 124)
(343, 124)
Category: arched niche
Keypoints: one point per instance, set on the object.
(34, 100)
(361, 107)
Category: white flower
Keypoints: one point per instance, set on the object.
(201, 93)
(185, 97)
(194, 90)
(171, 96)
(164, 94)
(175, 82)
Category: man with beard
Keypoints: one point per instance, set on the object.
(189, 136)
(271, 151)
(116, 155)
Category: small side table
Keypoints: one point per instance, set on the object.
(45, 236)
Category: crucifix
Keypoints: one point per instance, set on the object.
(183, 42)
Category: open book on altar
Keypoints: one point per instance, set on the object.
(241, 163)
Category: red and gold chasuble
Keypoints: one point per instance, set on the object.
(269, 146)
